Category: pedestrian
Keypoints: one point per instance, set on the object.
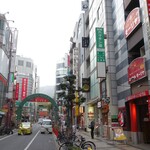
(92, 128)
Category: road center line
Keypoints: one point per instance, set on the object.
(32, 140)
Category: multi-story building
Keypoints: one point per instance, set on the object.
(119, 67)
(8, 48)
(27, 82)
(62, 69)
(133, 44)
(80, 64)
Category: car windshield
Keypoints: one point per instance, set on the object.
(25, 124)
(46, 123)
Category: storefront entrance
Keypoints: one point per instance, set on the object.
(143, 119)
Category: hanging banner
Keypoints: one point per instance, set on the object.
(24, 88)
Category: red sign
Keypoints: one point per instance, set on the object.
(24, 88)
(3, 80)
(136, 70)
(40, 99)
(132, 21)
(148, 6)
(137, 95)
(17, 91)
(149, 107)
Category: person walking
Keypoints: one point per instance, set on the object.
(92, 128)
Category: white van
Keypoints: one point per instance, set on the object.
(46, 126)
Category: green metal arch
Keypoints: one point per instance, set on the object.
(33, 96)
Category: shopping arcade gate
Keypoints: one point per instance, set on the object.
(38, 97)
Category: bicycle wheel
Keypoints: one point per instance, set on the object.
(66, 146)
(88, 145)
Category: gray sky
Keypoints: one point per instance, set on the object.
(45, 27)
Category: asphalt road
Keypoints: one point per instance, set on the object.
(35, 141)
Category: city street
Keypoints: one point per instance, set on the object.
(35, 141)
(38, 141)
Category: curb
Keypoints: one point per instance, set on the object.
(55, 140)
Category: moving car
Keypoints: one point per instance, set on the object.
(46, 126)
(25, 128)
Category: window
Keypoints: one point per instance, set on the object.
(20, 62)
(1, 25)
(28, 64)
(142, 51)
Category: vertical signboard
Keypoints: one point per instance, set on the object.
(149, 107)
(99, 38)
(85, 42)
(24, 88)
(17, 91)
(148, 6)
(100, 48)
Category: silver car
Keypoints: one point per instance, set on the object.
(46, 126)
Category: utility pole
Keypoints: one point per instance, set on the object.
(9, 90)
(13, 35)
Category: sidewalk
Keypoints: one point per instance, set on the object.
(102, 143)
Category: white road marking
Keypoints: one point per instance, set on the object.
(7, 136)
(32, 141)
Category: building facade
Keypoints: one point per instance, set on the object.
(27, 83)
(118, 69)
(8, 48)
(62, 70)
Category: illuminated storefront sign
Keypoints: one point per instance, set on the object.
(132, 21)
(137, 95)
(136, 70)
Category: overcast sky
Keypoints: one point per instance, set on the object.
(45, 27)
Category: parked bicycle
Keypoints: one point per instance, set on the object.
(62, 138)
(81, 144)
(5, 130)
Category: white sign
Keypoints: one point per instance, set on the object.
(84, 5)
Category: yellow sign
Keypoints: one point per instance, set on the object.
(119, 135)
(76, 110)
(77, 97)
